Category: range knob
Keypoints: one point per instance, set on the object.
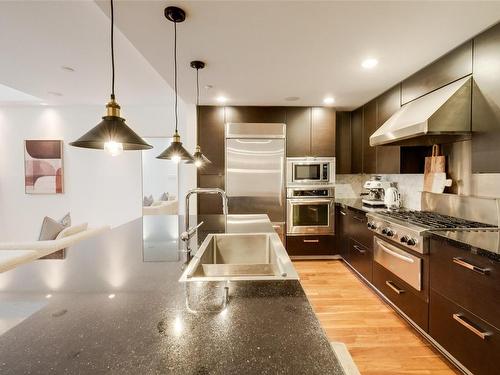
(389, 233)
(411, 242)
(371, 225)
(404, 239)
(384, 231)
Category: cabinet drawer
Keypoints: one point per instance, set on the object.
(310, 245)
(360, 258)
(357, 230)
(477, 290)
(401, 294)
(469, 339)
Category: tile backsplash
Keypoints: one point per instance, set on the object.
(410, 186)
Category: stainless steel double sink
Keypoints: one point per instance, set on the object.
(240, 257)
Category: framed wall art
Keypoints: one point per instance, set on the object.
(43, 167)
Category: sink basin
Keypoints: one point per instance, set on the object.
(237, 256)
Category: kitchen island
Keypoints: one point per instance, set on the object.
(113, 304)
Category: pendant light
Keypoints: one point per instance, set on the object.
(112, 134)
(200, 160)
(175, 152)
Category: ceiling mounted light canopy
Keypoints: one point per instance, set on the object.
(112, 134)
(175, 152)
(199, 159)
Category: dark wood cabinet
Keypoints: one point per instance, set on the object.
(298, 131)
(256, 114)
(211, 138)
(343, 142)
(388, 157)
(357, 141)
(310, 131)
(360, 258)
(322, 132)
(486, 102)
(476, 290)
(369, 126)
(210, 204)
(402, 295)
(451, 67)
(311, 245)
(467, 337)
(342, 239)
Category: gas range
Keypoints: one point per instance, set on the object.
(408, 227)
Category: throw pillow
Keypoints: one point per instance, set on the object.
(164, 197)
(147, 201)
(51, 228)
(66, 220)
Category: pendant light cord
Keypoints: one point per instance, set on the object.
(175, 73)
(112, 52)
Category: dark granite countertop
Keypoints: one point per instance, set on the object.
(114, 305)
(356, 204)
(481, 242)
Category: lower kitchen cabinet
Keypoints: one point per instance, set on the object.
(402, 295)
(468, 338)
(360, 258)
(341, 241)
(311, 245)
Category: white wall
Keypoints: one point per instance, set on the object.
(99, 189)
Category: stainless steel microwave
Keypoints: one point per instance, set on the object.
(310, 171)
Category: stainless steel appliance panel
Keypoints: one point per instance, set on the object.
(401, 263)
(255, 176)
(311, 216)
(310, 171)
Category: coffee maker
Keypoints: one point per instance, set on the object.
(376, 192)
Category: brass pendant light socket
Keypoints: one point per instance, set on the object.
(113, 108)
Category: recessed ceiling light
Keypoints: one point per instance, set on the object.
(292, 98)
(369, 63)
(48, 296)
(43, 103)
(67, 68)
(111, 296)
(329, 100)
(221, 99)
(55, 93)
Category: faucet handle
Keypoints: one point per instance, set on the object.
(186, 235)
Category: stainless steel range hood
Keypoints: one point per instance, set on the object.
(442, 116)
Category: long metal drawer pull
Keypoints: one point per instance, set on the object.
(311, 241)
(359, 249)
(394, 254)
(358, 218)
(463, 263)
(393, 286)
(467, 324)
(343, 213)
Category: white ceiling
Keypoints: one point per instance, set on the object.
(8, 94)
(37, 38)
(257, 53)
(260, 52)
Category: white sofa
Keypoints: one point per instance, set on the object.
(161, 208)
(13, 254)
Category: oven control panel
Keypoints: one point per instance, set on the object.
(397, 233)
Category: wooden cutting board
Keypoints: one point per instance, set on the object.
(435, 168)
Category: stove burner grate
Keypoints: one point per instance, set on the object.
(435, 220)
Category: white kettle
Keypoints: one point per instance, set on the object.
(392, 198)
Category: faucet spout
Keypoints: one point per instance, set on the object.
(188, 233)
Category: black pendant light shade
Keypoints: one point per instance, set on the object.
(111, 131)
(112, 134)
(199, 160)
(175, 152)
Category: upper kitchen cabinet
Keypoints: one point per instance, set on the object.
(298, 131)
(343, 142)
(357, 141)
(310, 131)
(369, 127)
(322, 131)
(486, 102)
(211, 138)
(256, 114)
(388, 157)
(452, 66)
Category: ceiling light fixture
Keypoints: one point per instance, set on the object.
(369, 63)
(292, 98)
(199, 159)
(175, 152)
(329, 100)
(221, 99)
(112, 134)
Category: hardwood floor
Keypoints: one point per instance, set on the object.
(380, 342)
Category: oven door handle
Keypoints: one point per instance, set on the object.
(309, 201)
(395, 254)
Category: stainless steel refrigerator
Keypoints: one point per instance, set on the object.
(255, 170)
